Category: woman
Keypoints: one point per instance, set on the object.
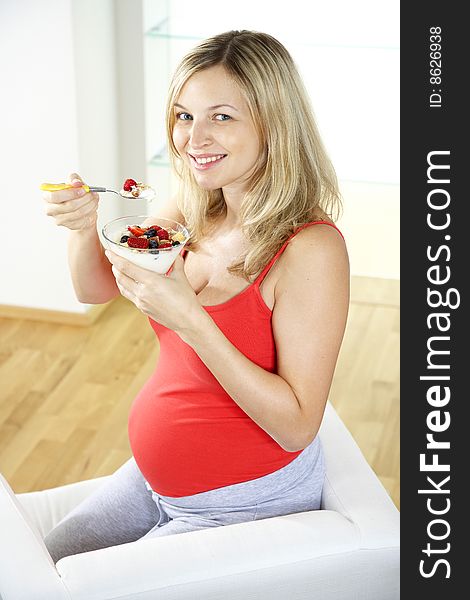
(250, 320)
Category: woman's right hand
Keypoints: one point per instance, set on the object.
(73, 208)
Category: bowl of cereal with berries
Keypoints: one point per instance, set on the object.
(149, 242)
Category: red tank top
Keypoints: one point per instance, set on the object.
(186, 433)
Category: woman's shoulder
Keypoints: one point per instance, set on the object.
(169, 209)
(317, 237)
(314, 251)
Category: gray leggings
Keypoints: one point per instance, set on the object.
(124, 509)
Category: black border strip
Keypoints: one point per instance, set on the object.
(434, 252)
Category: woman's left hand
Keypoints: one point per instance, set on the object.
(167, 299)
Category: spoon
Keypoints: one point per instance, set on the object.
(146, 194)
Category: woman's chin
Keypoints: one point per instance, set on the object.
(206, 185)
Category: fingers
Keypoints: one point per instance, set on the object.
(120, 280)
(75, 179)
(178, 266)
(128, 287)
(60, 196)
(129, 269)
(75, 214)
(81, 219)
(78, 206)
(133, 282)
(85, 222)
(73, 208)
(176, 271)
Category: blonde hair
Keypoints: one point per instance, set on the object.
(294, 180)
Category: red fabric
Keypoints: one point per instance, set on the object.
(187, 434)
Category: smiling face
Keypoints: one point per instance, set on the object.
(214, 132)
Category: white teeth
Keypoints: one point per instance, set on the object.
(203, 161)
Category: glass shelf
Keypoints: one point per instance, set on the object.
(180, 29)
(160, 158)
(170, 30)
(157, 161)
(360, 59)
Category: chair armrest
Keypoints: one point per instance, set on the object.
(353, 489)
(161, 564)
(25, 563)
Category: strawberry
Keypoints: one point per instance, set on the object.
(136, 230)
(129, 184)
(163, 234)
(140, 242)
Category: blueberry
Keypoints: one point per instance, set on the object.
(175, 243)
(150, 233)
(124, 239)
(153, 245)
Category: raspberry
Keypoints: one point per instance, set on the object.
(129, 184)
(165, 244)
(163, 234)
(138, 242)
(136, 230)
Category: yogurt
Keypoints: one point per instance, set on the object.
(153, 247)
(158, 263)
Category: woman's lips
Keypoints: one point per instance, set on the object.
(206, 161)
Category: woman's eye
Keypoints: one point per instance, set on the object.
(222, 117)
(183, 116)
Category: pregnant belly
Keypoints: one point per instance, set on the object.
(185, 447)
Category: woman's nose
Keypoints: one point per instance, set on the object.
(200, 135)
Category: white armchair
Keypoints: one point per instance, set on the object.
(349, 549)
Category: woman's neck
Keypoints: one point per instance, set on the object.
(233, 201)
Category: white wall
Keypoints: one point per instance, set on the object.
(57, 115)
(371, 226)
(72, 98)
(130, 92)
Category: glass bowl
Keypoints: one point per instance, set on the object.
(159, 260)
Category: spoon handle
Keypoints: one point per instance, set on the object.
(54, 187)
(99, 189)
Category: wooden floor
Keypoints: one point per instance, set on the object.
(66, 390)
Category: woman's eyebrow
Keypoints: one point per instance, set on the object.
(221, 105)
(210, 107)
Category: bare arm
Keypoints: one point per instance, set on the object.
(309, 317)
(92, 278)
(91, 273)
